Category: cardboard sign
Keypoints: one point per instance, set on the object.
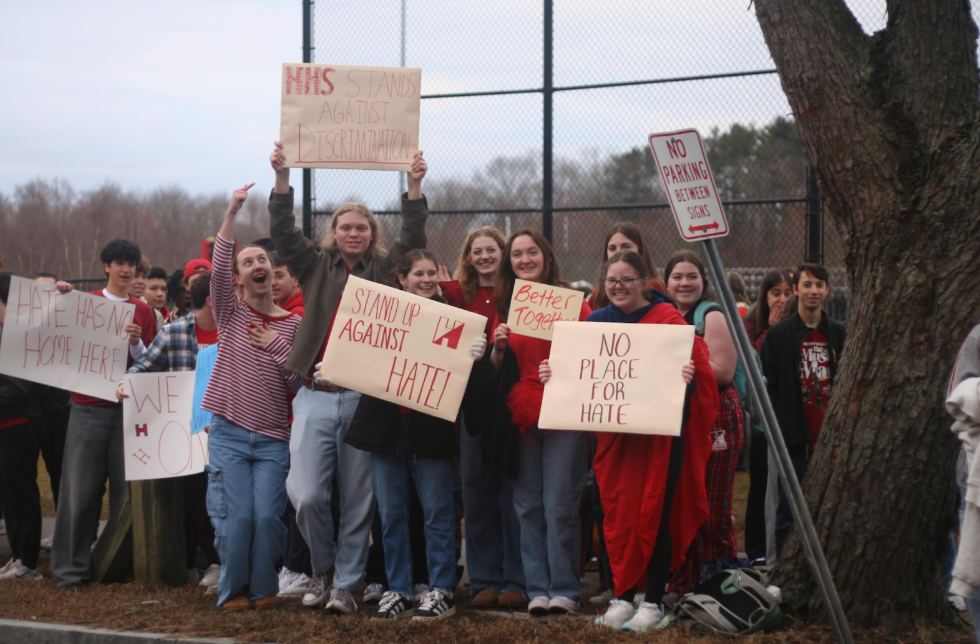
(402, 348)
(73, 341)
(690, 186)
(339, 116)
(156, 426)
(201, 418)
(617, 378)
(535, 307)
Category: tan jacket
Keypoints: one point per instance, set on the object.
(323, 275)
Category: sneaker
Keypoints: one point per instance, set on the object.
(436, 605)
(20, 572)
(373, 593)
(341, 602)
(420, 591)
(394, 606)
(602, 598)
(297, 585)
(618, 613)
(957, 603)
(562, 606)
(538, 606)
(646, 619)
(193, 577)
(285, 573)
(47, 542)
(317, 591)
(211, 576)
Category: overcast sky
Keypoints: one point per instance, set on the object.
(187, 92)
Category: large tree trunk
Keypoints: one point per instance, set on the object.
(890, 122)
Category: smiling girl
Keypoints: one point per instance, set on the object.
(248, 440)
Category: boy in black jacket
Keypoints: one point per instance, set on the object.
(799, 360)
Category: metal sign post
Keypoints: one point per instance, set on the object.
(690, 186)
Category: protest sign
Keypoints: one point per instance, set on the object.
(402, 348)
(156, 426)
(617, 378)
(201, 418)
(535, 307)
(690, 186)
(358, 117)
(73, 341)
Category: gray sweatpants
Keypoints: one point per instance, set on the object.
(93, 454)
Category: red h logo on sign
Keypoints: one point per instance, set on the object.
(141, 430)
(453, 328)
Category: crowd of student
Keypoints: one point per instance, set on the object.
(317, 491)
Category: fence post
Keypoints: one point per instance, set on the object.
(547, 186)
(307, 172)
(814, 218)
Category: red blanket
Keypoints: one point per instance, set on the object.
(631, 471)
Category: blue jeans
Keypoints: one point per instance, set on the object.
(433, 477)
(493, 534)
(246, 501)
(318, 453)
(547, 496)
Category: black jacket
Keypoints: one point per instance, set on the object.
(781, 355)
(16, 399)
(500, 440)
(374, 427)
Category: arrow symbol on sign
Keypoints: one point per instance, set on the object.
(706, 227)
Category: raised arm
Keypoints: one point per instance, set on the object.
(415, 211)
(298, 252)
(223, 297)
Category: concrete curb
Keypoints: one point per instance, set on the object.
(20, 632)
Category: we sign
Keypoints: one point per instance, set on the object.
(690, 185)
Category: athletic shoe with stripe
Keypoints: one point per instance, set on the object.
(394, 606)
(436, 605)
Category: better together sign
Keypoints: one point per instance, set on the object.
(156, 426)
(617, 378)
(73, 341)
(358, 117)
(404, 348)
(535, 307)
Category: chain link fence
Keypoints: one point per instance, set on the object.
(615, 74)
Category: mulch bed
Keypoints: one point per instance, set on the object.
(188, 612)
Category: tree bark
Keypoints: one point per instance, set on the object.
(891, 123)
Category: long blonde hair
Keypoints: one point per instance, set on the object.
(329, 243)
(465, 271)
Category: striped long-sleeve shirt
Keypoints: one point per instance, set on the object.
(248, 385)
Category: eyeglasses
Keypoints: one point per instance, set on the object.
(626, 282)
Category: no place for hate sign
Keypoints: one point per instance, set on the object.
(617, 377)
(402, 348)
(73, 341)
(357, 117)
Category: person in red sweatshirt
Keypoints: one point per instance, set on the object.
(94, 443)
(285, 287)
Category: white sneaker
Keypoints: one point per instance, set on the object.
(562, 606)
(602, 598)
(316, 593)
(47, 542)
(420, 591)
(298, 584)
(958, 603)
(286, 577)
(639, 599)
(8, 567)
(538, 606)
(211, 576)
(373, 593)
(618, 613)
(646, 619)
(20, 572)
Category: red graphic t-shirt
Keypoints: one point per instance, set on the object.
(815, 380)
(204, 337)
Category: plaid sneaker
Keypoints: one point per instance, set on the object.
(341, 602)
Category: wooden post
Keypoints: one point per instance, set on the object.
(112, 559)
(158, 532)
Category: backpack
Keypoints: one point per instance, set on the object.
(733, 602)
(740, 380)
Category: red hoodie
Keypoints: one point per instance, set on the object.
(295, 303)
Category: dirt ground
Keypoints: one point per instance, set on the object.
(188, 612)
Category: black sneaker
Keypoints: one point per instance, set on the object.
(394, 606)
(435, 605)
